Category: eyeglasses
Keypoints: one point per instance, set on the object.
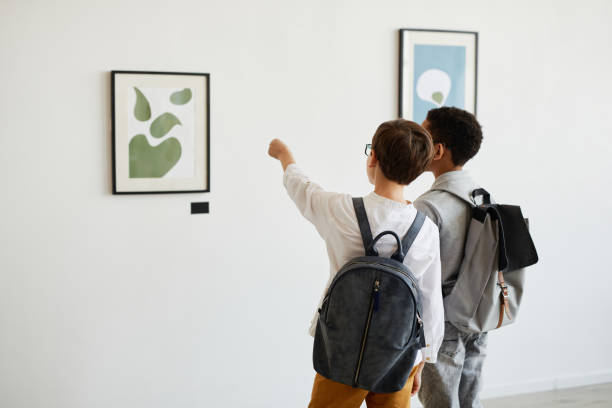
(368, 149)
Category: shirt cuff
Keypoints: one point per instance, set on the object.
(291, 167)
(428, 355)
(292, 170)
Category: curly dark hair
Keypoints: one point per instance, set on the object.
(403, 148)
(457, 130)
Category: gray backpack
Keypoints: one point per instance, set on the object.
(489, 287)
(369, 329)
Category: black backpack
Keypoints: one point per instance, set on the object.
(369, 329)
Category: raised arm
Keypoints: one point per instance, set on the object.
(316, 205)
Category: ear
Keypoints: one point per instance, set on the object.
(372, 160)
(439, 151)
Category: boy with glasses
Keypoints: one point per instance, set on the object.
(400, 151)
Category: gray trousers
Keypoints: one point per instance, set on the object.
(455, 380)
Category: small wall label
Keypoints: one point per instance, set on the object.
(199, 208)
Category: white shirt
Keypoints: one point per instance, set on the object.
(333, 215)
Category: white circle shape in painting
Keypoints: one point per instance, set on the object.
(434, 86)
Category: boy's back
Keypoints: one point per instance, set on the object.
(452, 216)
(334, 217)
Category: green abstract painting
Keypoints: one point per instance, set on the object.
(160, 132)
(155, 161)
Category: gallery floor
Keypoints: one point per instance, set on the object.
(592, 396)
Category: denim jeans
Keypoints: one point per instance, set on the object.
(455, 380)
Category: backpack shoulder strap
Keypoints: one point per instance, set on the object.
(413, 231)
(479, 192)
(364, 226)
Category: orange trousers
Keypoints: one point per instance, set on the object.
(331, 394)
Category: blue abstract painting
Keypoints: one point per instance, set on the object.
(439, 78)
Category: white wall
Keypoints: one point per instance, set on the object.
(129, 301)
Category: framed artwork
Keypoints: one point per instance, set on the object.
(436, 68)
(161, 132)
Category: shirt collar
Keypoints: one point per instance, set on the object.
(451, 176)
(388, 202)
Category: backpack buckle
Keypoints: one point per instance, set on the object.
(504, 289)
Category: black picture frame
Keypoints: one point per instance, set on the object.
(401, 62)
(114, 131)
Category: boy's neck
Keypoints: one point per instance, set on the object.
(387, 188)
(438, 172)
(390, 190)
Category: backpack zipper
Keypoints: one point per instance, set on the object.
(387, 266)
(373, 297)
(400, 271)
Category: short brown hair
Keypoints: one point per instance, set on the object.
(404, 150)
